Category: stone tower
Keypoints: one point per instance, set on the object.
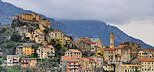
(111, 40)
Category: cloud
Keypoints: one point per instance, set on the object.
(111, 11)
(141, 29)
(135, 17)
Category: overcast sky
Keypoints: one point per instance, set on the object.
(134, 17)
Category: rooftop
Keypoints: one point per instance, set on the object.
(67, 58)
(74, 50)
(145, 59)
(26, 45)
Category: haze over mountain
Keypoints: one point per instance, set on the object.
(75, 28)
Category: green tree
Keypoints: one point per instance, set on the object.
(15, 37)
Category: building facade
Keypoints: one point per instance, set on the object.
(28, 62)
(73, 53)
(25, 49)
(47, 51)
(12, 60)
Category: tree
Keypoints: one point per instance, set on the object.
(15, 37)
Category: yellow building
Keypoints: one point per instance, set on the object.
(73, 53)
(25, 49)
(47, 51)
(34, 19)
(32, 16)
(146, 64)
(126, 68)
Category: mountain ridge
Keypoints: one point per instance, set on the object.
(81, 29)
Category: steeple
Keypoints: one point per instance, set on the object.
(111, 40)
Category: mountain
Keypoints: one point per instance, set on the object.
(92, 28)
(75, 28)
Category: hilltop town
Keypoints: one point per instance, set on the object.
(30, 44)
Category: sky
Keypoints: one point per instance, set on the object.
(134, 17)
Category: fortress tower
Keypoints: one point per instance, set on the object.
(111, 40)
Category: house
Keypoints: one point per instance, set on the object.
(99, 59)
(37, 35)
(28, 62)
(126, 68)
(47, 51)
(12, 60)
(109, 54)
(88, 46)
(73, 53)
(68, 64)
(108, 67)
(57, 34)
(134, 48)
(146, 53)
(25, 49)
(88, 63)
(97, 41)
(117, 54)
(146, 64)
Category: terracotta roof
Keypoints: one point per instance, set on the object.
(108, 49)
(74, 50)
(145, 59)
(118, 47)
(67, 58)
(114, 48)
(88, 59)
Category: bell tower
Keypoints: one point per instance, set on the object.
(111, 40)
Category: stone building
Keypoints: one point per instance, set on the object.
(88, 63)
(73, 53)
(25, 49)
(146, 64)
(28, 62)
(57, 34)
(47, 51)
(97, 41)
(88, 46)
(126, 68)
(32, 16)
(117, 54)
(99, 59)
(146, 53)
(28, 24)
(12, 60)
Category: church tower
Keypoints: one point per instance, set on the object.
(111, 40)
